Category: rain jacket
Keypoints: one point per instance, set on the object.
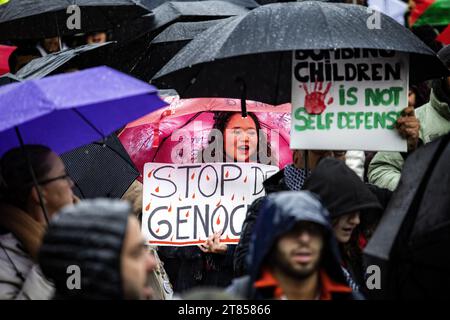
(385, 168)
(275, 183)
(278, 215)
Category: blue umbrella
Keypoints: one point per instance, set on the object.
(70, 110)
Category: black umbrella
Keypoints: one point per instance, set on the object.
(86, 56)
(132, 56)
(169, 12)
(8, 78)
(166, 45)
(412, 241)
(100, 169)
(251, 55)
(152, 4)
(31, 19)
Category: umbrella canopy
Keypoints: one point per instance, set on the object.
(170, 12)
(257, 49)
(69, 110)
(150, 139)
(100, 169)
(134, 52)
(413, 237)
(32, 19)
(5, 51)
(166, 45)
(85, 56)
(152, 4)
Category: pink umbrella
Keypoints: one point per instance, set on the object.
(5, 52)
(154, 137)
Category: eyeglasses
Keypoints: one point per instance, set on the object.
(47, 181)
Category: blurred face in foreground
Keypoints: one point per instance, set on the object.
(136, 263)
(241, 138)
(343, 226)
(297, 253)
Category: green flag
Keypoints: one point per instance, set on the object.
(433, 12)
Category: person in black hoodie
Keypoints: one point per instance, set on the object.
(292, 178)
(353, 209)
(293, 253)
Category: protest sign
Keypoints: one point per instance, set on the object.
(348, 99)
(184, 204)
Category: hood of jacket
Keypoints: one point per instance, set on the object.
(439, 99)
(279, 213)
(340, 189)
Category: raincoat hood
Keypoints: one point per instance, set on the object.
(279, 214)
(340, 189)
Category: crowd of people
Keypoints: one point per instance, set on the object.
(302, 240)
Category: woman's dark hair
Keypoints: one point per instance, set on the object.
(16, 181)
(422, 91)
(221, 119)
(352, 255)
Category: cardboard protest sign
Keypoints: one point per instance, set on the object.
(348, 99)
(184, 204)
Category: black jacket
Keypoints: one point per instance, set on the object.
(279, 213)
(342, 192)
(274, 184)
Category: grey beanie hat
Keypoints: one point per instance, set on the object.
(90, 236)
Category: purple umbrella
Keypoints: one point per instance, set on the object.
(70, 110)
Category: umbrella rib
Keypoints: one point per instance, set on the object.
(89, 123)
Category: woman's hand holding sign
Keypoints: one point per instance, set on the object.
(408, 127)
(213, 245)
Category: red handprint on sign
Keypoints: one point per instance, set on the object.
(315, 101)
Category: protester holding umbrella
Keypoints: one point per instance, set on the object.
(22, 220)
(234, 138)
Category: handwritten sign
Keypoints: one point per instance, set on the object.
(348, 99)
(184, 204)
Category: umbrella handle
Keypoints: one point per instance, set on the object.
(243, 88)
